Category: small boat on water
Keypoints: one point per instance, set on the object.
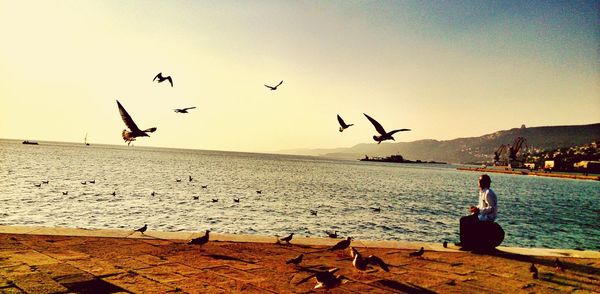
(397, 159)
(30, 142)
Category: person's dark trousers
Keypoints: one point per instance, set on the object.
(468, 225)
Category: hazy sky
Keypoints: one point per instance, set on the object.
(445, 69)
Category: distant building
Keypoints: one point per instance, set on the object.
(530, 165)
(549, 164)
(588, 166)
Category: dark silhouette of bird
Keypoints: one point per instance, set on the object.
(558, 266)
(296, 260)
(417, 253)
(38, 185)
(204, 186)
(362, 264)
(196, 197)
(534, 271)
(258, 191)
(288, 238)
(114, 193)
(178, 180)
(92, 181)
(341, 245)
(45, 182)
(343, 125)
(190, 178)
(313, 212)
(445, 244)
(183, 110)
(215, 200)
(327, 279)
(333, 235)
(274, 88)
(161, 79)
(383, 134)
(83, 182)
(237, 200)
(142, 229)
(200, 240)
(153, 193)
(376, 209)
(66, 193)
(134, 131)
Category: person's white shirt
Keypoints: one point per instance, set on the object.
(488, 205)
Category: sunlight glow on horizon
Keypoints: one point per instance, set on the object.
(445, 70)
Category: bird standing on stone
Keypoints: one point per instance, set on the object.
(134, 131)
(341, 245)
(288, 238)
(183, 110)
(343, 125)
(200, 240)
(417, 253)
(142, 229)
(275, 87)
(161, 79)
(534, 271)
(327, 279)
(362, 264)
(383, 134)
(558, 266)
(296, 260)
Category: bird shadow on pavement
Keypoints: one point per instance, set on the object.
(403, 287)
(226, 257)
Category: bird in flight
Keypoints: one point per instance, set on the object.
(343, 125)
(183, 110)
(274, 88)
(134, 131)
(161, 79)
(383, 134)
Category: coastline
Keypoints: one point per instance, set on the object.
(531, 173)
(46, 259)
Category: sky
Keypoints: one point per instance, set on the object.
(445, 69)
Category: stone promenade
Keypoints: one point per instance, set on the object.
(53, 260)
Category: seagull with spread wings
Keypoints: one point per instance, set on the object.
(183, 110)
(134, 131)
(161, 79)
(343, 125)
(275, 87)
(383, 134)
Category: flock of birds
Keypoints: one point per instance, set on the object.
(134, 131)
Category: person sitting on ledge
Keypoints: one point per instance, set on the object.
(485, 212)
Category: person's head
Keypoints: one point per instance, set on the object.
(484, 182)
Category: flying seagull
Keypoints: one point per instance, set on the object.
(134, 131)
(274, 88)
(383, 134)
(162, 79)
(343, 125)
(183, 110)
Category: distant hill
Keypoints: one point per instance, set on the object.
(467, 150)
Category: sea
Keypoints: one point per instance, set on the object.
(365, 200)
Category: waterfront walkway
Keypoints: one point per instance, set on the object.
(54, 260)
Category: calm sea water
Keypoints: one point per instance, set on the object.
(417, 202)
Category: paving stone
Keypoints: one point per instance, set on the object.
(38, 283)
(31, 257)
(66, 254)
(58, 270)
(137, 283)
(94, 266)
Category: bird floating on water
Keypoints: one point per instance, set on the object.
(92, 181)
(66, 193)
(333, 235)
(343, 125)
(215, 200)
(134, 131)
(183, 110)
(417, 253)
(258, 191)
(275, 87)
(153, 193)
(313, 212)
(178, 180)
(142, 229)
(114, 193)
(200, 240)
(38, 185)
(190, 178)
(383, 134)
(196, 197)
(45, 182)
(83, 182)
(237, 200)
(376, 209)
(204, 186)
(161, 79)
